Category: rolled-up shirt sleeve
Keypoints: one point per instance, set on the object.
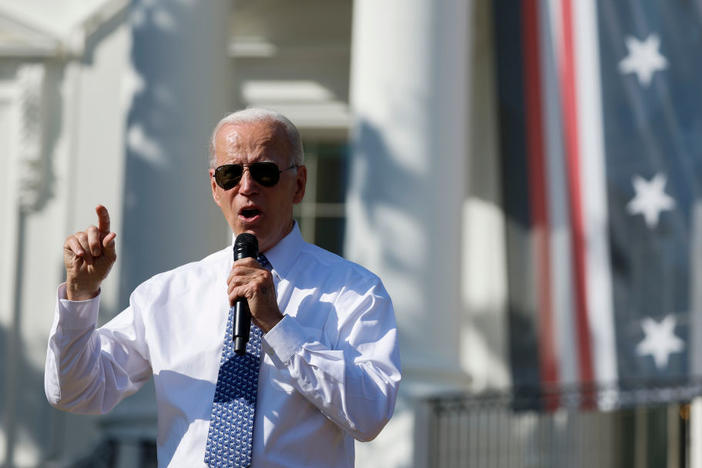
(90, 370)
(354, 381)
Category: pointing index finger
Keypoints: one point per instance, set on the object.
(103, 219)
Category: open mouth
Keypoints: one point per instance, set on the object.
(249, 213)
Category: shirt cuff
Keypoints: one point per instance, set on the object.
(284, 340)
(76, 315)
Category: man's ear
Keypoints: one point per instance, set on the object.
(215, 192)
(300, 183)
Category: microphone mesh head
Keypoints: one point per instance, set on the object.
(245, 245)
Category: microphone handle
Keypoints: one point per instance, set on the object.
(245, 245)
(242, 325)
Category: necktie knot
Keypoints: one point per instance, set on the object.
(263, 261)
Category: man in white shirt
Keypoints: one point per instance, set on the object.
(329, 369)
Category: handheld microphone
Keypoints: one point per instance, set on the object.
(245, 245)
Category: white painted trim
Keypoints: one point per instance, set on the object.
(16, 15)
(51, 42)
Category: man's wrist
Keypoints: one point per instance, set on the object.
(76, 293)
(284, 340)
(269, 324)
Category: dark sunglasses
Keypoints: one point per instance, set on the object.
(267, 174)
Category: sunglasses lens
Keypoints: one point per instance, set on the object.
(265, 173)
(228, 175)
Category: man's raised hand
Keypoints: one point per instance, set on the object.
(88, 256)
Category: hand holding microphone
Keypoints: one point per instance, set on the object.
(251, 291)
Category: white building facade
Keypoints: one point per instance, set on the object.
(112, 102)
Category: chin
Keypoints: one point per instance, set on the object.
(255, 230)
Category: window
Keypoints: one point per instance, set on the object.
(321, 214)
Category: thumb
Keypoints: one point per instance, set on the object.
(108, 245)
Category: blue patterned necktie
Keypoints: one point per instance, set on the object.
(230, 437)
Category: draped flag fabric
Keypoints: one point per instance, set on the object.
(600, 106)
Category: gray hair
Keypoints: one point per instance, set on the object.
(253, 115)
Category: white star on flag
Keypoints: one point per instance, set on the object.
(650, 199)
(660, 340)
(643, 59)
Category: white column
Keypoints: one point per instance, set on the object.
(181, 75)
(27, 186)
(408, 183)
(180, 80)
(13, 96)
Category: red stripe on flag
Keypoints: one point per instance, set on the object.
(570, 118)
(538, 197)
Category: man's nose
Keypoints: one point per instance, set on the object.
(247, 184)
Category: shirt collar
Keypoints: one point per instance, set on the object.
(282, 255)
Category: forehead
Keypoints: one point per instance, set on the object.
(251, 141)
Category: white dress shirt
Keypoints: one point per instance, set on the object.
(329, 373)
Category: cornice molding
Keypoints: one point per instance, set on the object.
(29, 37)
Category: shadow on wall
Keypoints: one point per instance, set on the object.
(383, 184)
(385, 188)
(386, 182)
(168, 213)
